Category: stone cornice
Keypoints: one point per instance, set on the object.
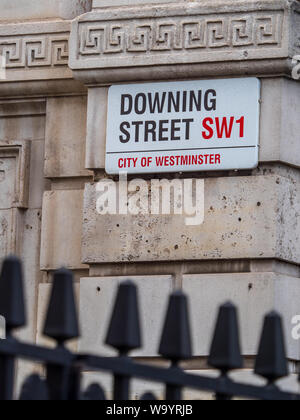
(185, 40)
(42, 48)
(180, 40)
(36, 55)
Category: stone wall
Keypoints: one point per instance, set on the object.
(53, 107)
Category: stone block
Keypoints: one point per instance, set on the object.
(97, 297)
(245, 217)
(37, 182)
(96, 128)
(254, 294)
(27, 236)
(65, 137)
(28, 245)
(22, 128)
(280, 134)
(61, 230)
(7, 232)
(21, 120)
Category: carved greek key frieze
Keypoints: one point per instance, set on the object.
(35, 51)
(179, 34)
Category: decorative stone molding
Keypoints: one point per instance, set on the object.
(41, 48)
(241, 37)
(37, 52)
(153, 37)
(14, 193)
(20, 151)
(36, 55)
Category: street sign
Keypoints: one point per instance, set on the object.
(202, 125)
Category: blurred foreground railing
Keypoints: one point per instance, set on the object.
(63, 368)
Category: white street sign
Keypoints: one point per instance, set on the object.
(201, 125)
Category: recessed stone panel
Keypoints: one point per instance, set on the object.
(14, 174)
(61, 230)
(65, 137)
(22, 128)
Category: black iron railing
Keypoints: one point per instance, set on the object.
(63, 368)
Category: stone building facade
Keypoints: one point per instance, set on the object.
(61, 57)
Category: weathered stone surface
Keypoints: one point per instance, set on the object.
(28, 247)
(7, 232)
(21, 187)
(12, 10)
(184, 40)
(22, 128)
(65, 137)
(37, 182)
(22, 108)
(7, 177)
(255, 294)
(14, 180)
(280, 135)
(97, 296)
(96, 128)
(71, 8)
(27, 236)
(245, 217)
(61, 230)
